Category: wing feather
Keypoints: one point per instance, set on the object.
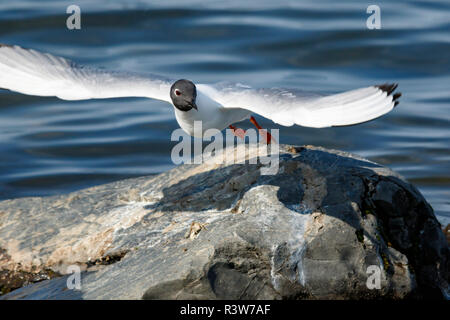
(32, 72)
(288, 107)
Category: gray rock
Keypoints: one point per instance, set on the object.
(322, 228)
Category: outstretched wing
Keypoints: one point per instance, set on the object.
(288, 107)
(31, 72)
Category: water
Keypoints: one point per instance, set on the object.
(48, 146)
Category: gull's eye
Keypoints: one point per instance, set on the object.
(177, 92)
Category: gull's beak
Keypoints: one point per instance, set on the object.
(194, 105)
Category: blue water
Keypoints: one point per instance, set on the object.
(48, 146)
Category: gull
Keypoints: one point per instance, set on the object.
(217, 106)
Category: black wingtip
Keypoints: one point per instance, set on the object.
(389, 88)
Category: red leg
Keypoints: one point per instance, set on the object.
(238, 132)
(264, 134)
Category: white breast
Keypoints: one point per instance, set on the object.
(210, 113)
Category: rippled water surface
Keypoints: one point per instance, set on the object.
(49, 146)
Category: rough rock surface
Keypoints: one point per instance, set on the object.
(224, 231)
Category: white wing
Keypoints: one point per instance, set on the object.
(42, 74)
(288, 107)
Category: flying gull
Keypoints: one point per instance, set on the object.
(217, 106)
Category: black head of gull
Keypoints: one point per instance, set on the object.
(183, 94)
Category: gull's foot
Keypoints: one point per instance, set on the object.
(238, 132)
(265, 135)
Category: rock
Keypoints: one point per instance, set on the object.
(328, 225)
